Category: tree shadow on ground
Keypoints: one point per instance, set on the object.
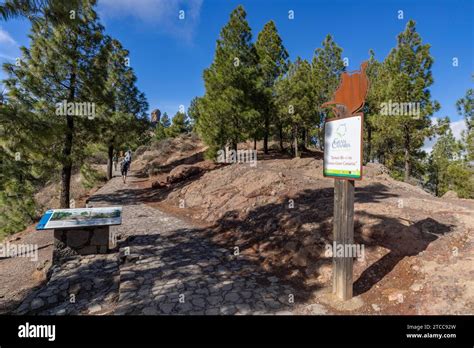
(210, 278)
(401, 241)
(289, 237)
(291, 242)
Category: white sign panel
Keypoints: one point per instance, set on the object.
(81, 217)
(343, 148)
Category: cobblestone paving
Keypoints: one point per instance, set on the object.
(162, 266)
(82, 285)
(181, 273)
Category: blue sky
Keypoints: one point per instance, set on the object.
(169, 54)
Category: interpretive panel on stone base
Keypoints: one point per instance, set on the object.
(82, 217)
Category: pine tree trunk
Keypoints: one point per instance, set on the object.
(296, 141)
(110, 161)
(66, 170)
(280, 129)
(321, 138)
(265, 135)
(67, 165)
(303, 138)
(369, 143)
(255, 144)
(407, 156)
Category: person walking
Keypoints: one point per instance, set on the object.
(128, 155)
(115, 161)
(125, 165)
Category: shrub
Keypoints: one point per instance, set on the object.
(187, 147)
(91, 176)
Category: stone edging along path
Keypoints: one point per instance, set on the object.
(162, 265)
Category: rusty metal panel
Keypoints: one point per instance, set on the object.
(350, 95)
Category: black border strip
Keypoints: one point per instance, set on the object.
(261, 330)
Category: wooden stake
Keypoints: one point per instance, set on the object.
(343, 234)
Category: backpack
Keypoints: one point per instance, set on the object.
(128, 157)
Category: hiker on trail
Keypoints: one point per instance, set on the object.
(129, 155)
(115, 161)
(125, 165)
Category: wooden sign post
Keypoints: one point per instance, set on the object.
(343, 161)
(343, 234)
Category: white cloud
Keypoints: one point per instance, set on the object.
(457, 127)
(162, 14)
(5, 38)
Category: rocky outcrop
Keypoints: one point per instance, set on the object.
(183, 172)
(450, 195)
(155, 116)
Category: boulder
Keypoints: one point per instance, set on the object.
(450, 195)
(158, 184)
(182, 172)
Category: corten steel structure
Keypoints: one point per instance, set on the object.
(347, 101)
(349, 97)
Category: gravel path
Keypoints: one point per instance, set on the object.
(162, 265)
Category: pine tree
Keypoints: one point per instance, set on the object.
(165, 120)
(18, 169)
(3, 97)
(382, 136)
(294, 101)
(179, 125)
(162, 127)
(273, 62)
(124, 106)
(61, 67)
(228, 106)
(447, 170)
(327, 66)
(282, 105)
(54, 11)
(409, 69)
(194, 112)
(465, 107)
(372, 103)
